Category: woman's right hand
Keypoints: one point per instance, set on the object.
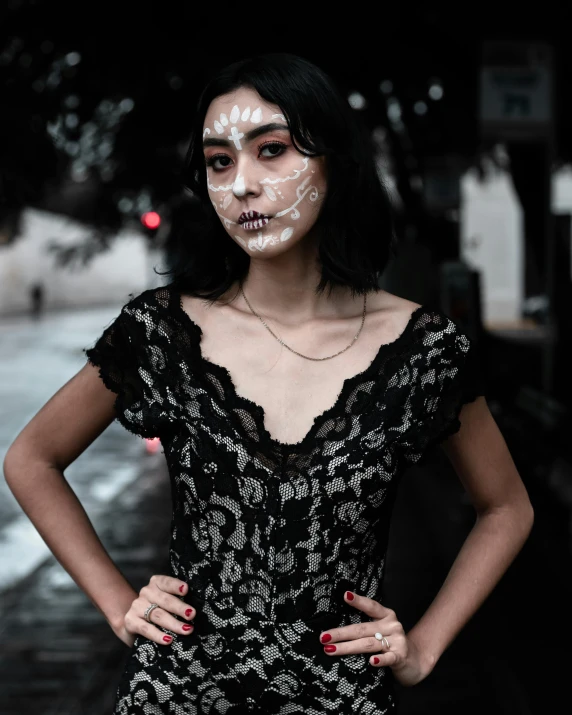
(161, 590)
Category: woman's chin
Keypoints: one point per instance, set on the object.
(267, 238)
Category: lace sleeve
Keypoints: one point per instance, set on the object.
(119, 360)
(451, 377)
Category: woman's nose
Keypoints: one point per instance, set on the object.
(239, 187)
(245, 181)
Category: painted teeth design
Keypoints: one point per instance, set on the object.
(252, 225)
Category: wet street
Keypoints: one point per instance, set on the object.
(58, 654)
(59, 657)
(36, 359)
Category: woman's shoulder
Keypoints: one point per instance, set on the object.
(424, 318)
(424, 326)
(134, 319)
(148, 308)
(390, 303)
(141, 321)
(153, 299)
(394, 311)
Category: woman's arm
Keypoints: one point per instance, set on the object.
(34, 470)
(484, 465)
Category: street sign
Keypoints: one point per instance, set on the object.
(516, 91)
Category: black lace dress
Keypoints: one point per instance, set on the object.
(269, 535)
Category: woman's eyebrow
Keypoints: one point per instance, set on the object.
(249, 136)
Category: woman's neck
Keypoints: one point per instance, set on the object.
(291, 298)
(283, 288)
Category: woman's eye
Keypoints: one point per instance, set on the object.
(219, 162)
(272, 149)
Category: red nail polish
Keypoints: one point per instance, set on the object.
(326, 637)
(167, 639)
(188, 612)
(375, 661)
(349, 596)
(330, 648)
(182, 588)
(186, 627)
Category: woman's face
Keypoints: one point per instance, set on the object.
(267, 195)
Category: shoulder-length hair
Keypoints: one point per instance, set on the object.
(356, 234)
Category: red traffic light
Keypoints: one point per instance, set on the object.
(151, 219)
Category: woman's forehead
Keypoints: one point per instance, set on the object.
(241, 105)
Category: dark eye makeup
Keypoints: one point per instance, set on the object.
(274, 149)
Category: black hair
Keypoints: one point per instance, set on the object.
(356, 234)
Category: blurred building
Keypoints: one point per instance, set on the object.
(30, 273)
(492, 242)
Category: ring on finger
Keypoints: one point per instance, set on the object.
(382, 639)
(147, 614)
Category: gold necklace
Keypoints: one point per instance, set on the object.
(295, 351)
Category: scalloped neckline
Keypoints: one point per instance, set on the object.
(257, 410)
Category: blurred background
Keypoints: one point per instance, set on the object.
(470, 111)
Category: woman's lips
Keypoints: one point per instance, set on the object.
(253, 225)
(252, 220)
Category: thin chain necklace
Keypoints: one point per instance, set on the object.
(295, 351)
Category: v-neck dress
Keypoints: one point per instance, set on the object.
(269, 535)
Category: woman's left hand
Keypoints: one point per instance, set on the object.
(402, 656)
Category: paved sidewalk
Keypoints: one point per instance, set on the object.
(36, 359)
(58, 654)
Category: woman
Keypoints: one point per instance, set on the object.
(283, 465)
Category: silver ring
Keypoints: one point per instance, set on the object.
(385, 643)
(147, 613)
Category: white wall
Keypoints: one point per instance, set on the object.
(562, 191)
(492, 236)
(108, 278)
(562, 197)
(491, 240)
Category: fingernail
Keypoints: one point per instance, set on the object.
(326, 637)
(349, 596)
(186, 627)
(330, 648)
(188, 612)
(167, 639)
(182, 588)
(375, 661)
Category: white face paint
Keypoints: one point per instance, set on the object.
(235, 116)
(238, 188)
(266, 193)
